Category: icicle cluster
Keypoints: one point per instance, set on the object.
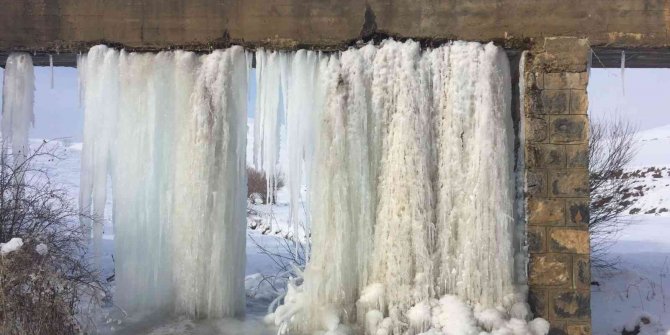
(408, 159)
(170, 130)
(18, 95)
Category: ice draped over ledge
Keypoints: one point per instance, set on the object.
(406, 155)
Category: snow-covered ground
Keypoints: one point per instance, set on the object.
(637, 293)
(654, 147)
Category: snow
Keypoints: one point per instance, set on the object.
(42, 249)
(653, 147)
(637, 289)
(13, 245)
(635, 294)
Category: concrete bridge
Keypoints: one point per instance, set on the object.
(68, 26)
(561, 37)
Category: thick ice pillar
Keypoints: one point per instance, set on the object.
(170, 130)
(17, 104)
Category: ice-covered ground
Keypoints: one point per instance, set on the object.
(638, 292)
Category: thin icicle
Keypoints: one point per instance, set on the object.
(268, 117)
(51, 68)
(623, 73)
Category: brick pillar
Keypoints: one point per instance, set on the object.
(556, 154)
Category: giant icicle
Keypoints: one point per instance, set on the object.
(410, 189)
(475, 158)
(170, 129)
(405, 228)
(99, 77)
(18, 94)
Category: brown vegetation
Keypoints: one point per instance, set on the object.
(257, 186)
(612, 145)
(40, 294)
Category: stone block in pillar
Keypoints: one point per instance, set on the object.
(557, 183)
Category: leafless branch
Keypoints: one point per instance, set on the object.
(612, 146)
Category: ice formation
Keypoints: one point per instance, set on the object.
(623, 73)
(169, 129)
(17, 103)
(406, 155)
(408, 158)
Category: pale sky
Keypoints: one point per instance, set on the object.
(646, 101)
(57, 113)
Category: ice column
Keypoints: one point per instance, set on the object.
(17, 104)
(141, 179)
(99, 77)
(170, 130)
(267, 116)
(210, 197)
(405, 223)
(475, 180)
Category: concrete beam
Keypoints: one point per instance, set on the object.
(635, 57)
(75, 25)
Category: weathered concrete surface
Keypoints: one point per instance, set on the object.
(74, 25)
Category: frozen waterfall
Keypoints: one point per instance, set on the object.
(406, 155)
(170, 130)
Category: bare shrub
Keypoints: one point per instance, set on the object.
(612, 146)
(41, 294)
(289, 257)
(257, 186)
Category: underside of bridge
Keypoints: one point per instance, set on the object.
(561, 39)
